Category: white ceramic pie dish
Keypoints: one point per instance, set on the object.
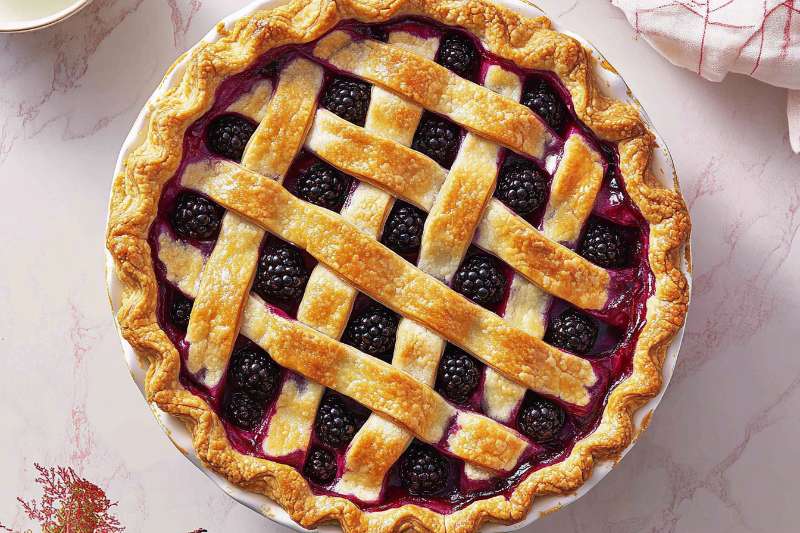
(662, 167)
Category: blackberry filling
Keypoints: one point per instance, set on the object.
(254, 373)
(457, 53)
(373, 331)
(605, 245)
(227, 135)
(438, 138)
(243, 411)
(540, 419)
(281, 274)
(180, 310)
(521, 186)
(458, 375)
(348, 98)
(323, 185)
(320, 466)
(196, 217)
(542, 100)
(423, 470)
(335, 425)
(479, 278)
(403, 229)
(573, 331)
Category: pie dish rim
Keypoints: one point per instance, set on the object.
(471, 520)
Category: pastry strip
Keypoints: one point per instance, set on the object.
(391, 280)
(556, 269)
(484, 112)
(213, 324)
(417, 179)
(254, 103)
(328, 300)
(385, 163)
(368, 380)
(575, 186)
(448, 232)
(527, 304)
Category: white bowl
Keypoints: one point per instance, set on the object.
(662, 167)
(43, 20)
(39, 19)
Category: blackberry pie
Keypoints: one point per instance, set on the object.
(397, 264)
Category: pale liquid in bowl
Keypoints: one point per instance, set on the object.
(23, 10)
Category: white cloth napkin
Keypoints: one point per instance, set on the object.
(759, 38)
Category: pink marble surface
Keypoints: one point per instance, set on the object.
(720, 453)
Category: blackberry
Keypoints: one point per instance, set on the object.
(540, 419)
(180, 310)
(539, 96)
(423, 471)
(605, 245)
(403, 230)
(458, 54)
(335, 425)
(320, 466)
(323, 185)
(253, 372)
(522, 187)
(479, 278)
(458, 375)
(437, 138)
(373, 31)
(243, 411)
(373, 331)
(270, 70)
(610, 155)
(196, 217)
(227, 135)
(573, 331)
(348, 98)
(281, 274)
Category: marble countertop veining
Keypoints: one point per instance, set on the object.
(720, 454)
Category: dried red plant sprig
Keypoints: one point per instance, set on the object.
(70, 504)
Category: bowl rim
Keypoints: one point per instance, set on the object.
(22, 26)
(662, 165)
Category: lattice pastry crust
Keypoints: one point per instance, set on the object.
(461, 211)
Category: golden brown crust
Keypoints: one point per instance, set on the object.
(393, 281)
(383, 388)
(230, 269)
(328, 300)
(448, 232)
(572, 194)
(253, 104)
(526, 42)
(433, 87)
(395, 168)
(555, 268)
(581, 173)
(215, 314)
(417, 179)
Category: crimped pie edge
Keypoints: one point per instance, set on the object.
(527, 42)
